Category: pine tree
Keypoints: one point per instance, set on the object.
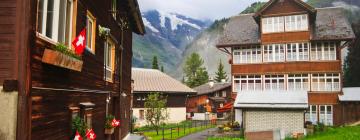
(220, 74)
(162, 68)
(155, 64)
(195, 73)
(352, 65)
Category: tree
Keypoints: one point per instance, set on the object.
(195, 73)
(162, 68)
(156, 112)
(220, 74)
(155, 64)
(352, 64)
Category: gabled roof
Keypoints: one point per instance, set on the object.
(272, 99)
(241, 29)
(331, 24)
(350, 94)
(306, 6)
(206, 89)
(151, 80)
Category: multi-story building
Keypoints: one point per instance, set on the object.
(149, 81)
(210, 98)
(286, 60)
(45, 85)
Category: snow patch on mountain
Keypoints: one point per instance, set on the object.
(350, 7)
(148, 24)
(175, 21)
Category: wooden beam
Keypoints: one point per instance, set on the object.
(25, 35)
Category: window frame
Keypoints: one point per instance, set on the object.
(297, 51)
(90, 18)
(68, 23)
(109, 45)
(274, 53)
(318, 51)
(324, 117)
(277, 78)
(303, 84)
(293, 24)
(318, 79)
(247, 85)
(247, 54)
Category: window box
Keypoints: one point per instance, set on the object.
(59, 59)
(109, 131)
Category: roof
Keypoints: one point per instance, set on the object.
(205, 88)
(350, 94)
(241, 29)
(151, 80)
(299, 2)
(331, 23)
(272, 99)
(136, 17)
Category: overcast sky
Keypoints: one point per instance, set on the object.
(201, 9)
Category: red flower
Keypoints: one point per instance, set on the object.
(115, 123)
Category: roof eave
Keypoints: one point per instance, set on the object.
(135, 11)
(301, 3)
(235, 45)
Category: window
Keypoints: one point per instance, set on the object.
(247, 82)
(109, 60)
(311, 114)
(90, 32)
(113, 8)
(141, 114)
(55, 20)
(323, 51)
(326, 114)
(296, 23)
(216, 94)
(138, 98)
(273, 24)
(221, 105)
(274, 82)
(297, 52)
(249, 54)
(298, 82)
(326, 82)
(274, 53)
(223, 93)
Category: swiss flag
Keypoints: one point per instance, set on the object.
(77, 136)
(90, 134)
(79, 42)
(115, 123)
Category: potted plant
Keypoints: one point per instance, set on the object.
(61, 56)
(236, 126)
(79, 125)
(110, 124)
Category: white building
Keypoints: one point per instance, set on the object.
(148, 81)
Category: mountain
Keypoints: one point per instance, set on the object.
(167, 35)
(204, 44)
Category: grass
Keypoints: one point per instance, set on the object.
(224, 138)
(339, 133)
(166, 126)
(167, 133)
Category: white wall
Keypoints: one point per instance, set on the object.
(176, 115)
(238, 116)
(8, 114)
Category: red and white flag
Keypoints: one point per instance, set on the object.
(79, 42)
(77, 136)
(90, 134)
(115, 123)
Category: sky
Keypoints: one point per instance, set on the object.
(199, 9)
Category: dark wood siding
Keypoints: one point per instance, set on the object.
(285, 7)
(285, 37)
(288, 67)
(8, 55)
(50, 108)
(173, 100)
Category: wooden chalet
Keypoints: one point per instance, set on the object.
(211, 97)
(287, 48)
(53, 85)
(147, 81)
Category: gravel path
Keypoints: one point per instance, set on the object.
(202, 135)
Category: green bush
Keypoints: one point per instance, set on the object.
(108, 121)
(79, 125)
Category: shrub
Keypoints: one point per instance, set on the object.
(108, 121)
(79, 125)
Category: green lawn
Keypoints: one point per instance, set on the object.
(223, 138)
(167, 135)
(340, 133)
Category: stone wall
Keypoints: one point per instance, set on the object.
(8, 114)
(287, 121)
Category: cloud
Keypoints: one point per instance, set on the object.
(202, 9)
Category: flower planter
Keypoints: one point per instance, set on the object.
(61, 60)
(109, 131)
